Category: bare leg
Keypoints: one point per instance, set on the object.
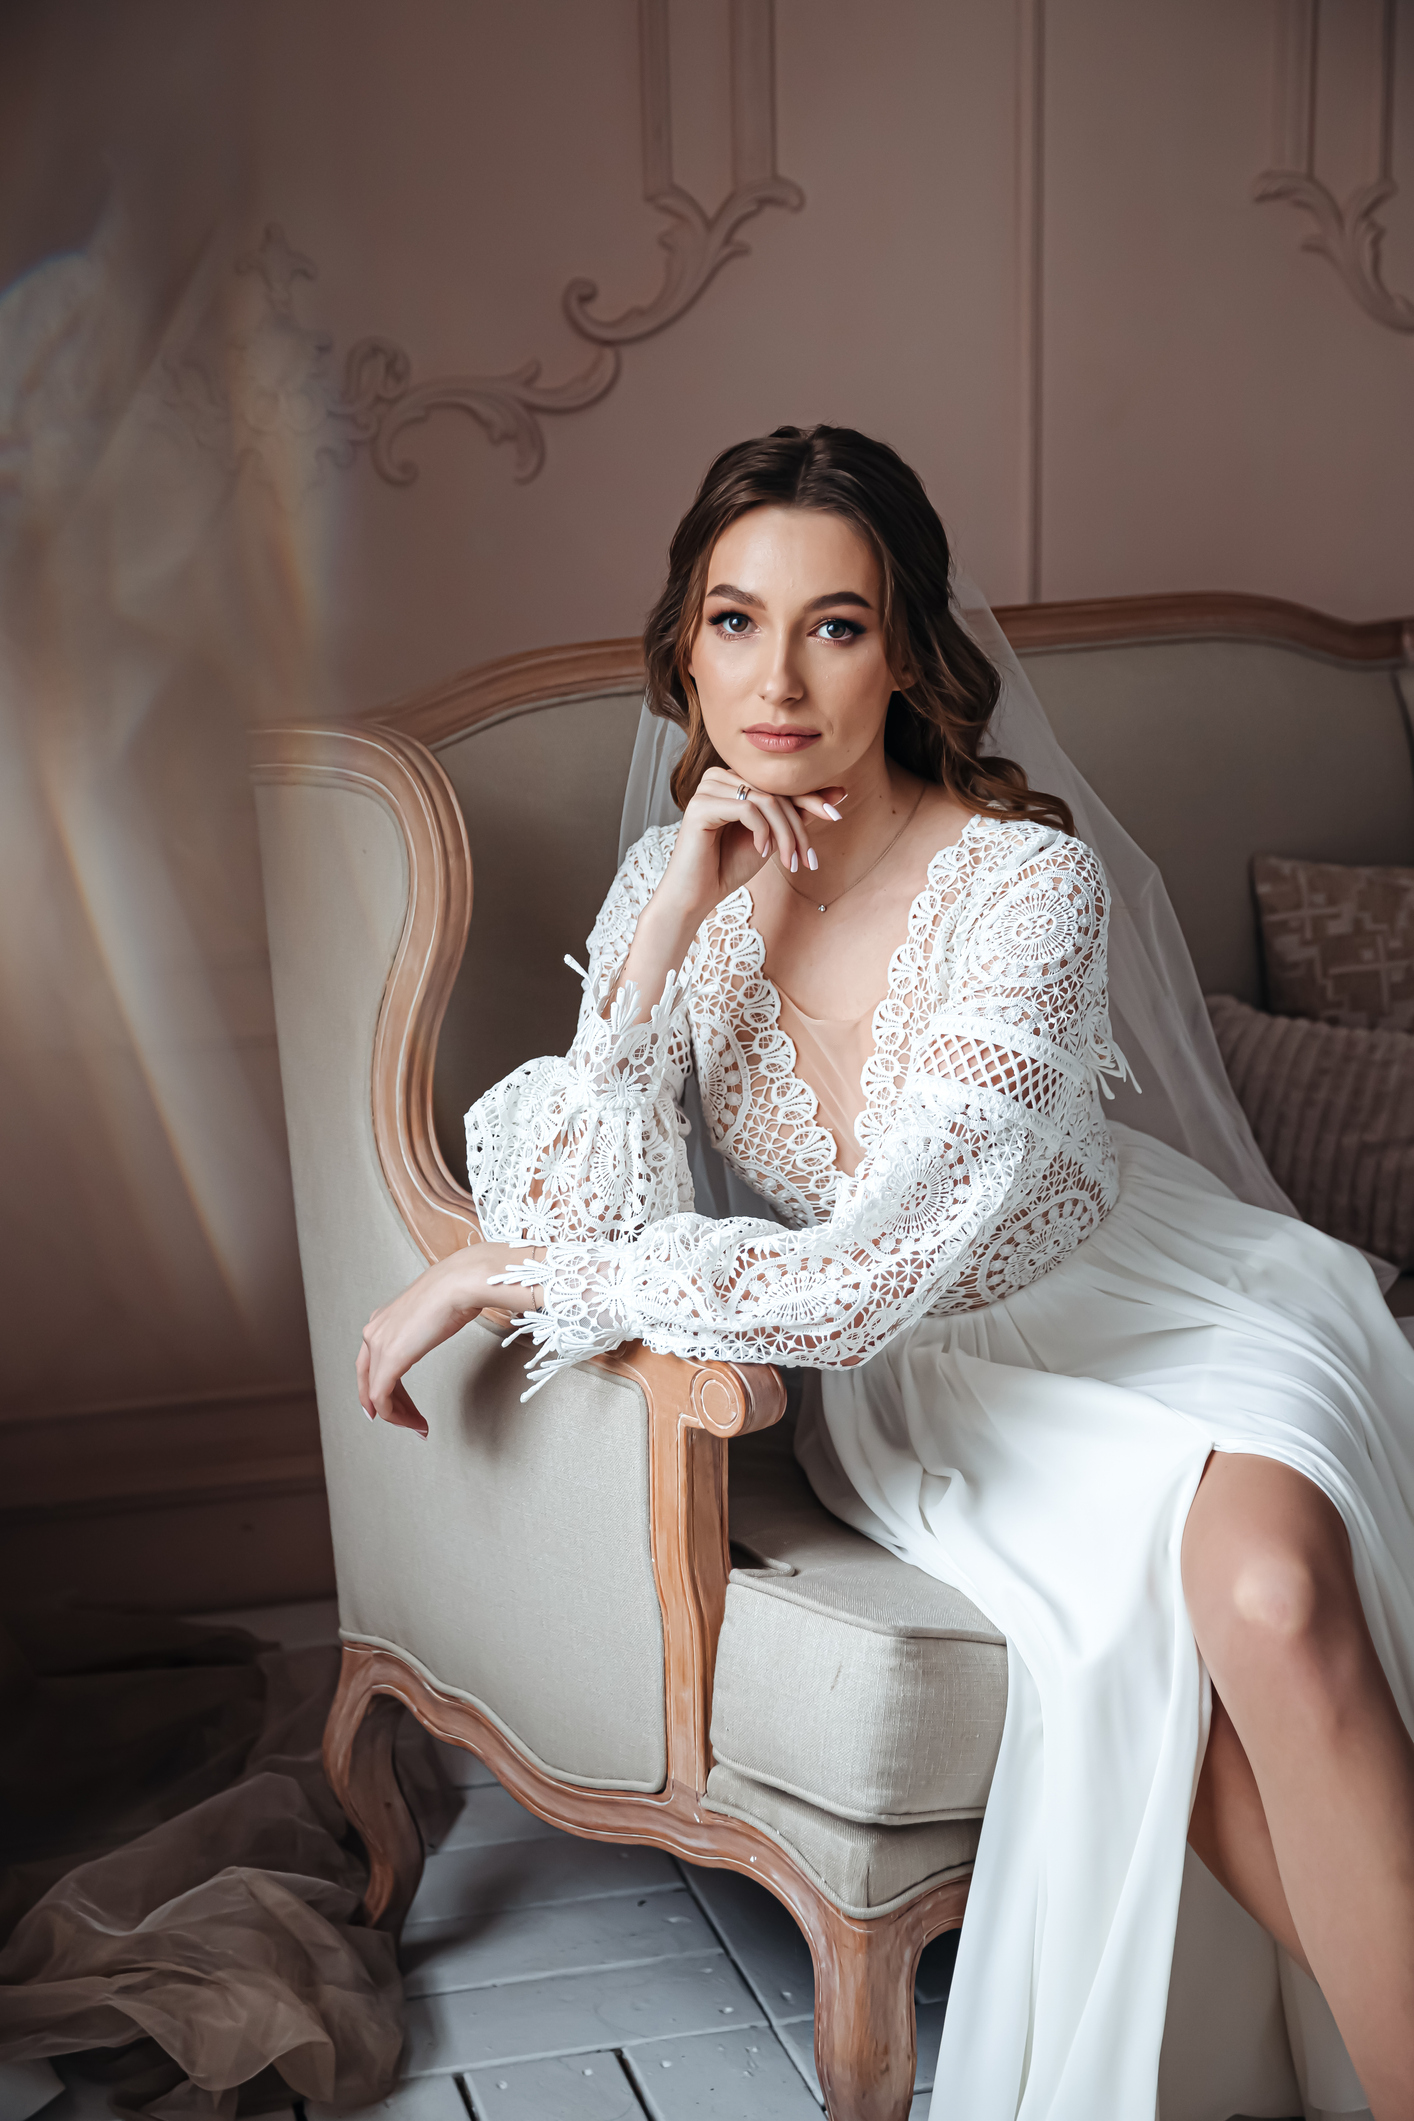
(1271, 1592)
(1229, 1831)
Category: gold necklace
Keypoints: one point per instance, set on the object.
(823, 907)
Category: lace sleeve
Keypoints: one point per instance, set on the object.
(977, 1121)
(590, 1146)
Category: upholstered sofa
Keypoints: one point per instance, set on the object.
(622, 1594)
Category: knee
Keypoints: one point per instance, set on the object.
(1276, 1598)
(1270, 1607)
(1269, 1580)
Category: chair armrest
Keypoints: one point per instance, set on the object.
(737, 1398)
(693, 1407)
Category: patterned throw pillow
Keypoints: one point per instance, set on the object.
(1339, 942)
(1333, 1113)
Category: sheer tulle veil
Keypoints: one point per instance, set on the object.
(1160, 1022)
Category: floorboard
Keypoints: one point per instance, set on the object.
(723, 2079)
(562, 2088)
(761, 1937)
(523, 1944)
(420, 2099)
(489, 1815)
(466, 1883)
(568, 2014)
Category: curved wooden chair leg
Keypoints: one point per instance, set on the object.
(866, 2030)
(358, 1760)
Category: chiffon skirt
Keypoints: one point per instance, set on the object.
(1041, 1455)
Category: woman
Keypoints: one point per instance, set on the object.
(1061, 1366)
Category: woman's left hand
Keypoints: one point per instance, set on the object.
(430, 1310)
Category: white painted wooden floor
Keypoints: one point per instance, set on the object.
(555, 1979)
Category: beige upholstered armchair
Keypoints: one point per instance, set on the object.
(623, 1595)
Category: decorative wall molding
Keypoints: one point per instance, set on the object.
(280, 397)
(178, 1504)
(1031, 254)
(1347, 233)
(76, 1460)
(698, 244)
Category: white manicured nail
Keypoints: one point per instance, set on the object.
(794, 863)
(810, 857)
(830, 811)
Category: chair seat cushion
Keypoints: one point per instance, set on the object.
(865, 1870)
(844, 1676)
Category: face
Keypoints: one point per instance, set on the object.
(789, 660)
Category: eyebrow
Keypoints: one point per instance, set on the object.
(836, 596)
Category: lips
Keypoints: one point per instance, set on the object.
(765, 738)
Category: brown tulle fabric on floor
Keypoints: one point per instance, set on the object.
(180, 1903)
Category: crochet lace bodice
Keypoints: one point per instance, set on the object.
(986, 1157)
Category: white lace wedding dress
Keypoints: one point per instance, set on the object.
(1032, 1329)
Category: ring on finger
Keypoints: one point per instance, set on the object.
(742, 791)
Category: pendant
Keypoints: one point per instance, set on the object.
(819, 909)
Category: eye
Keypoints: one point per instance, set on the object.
(838, 630)
(732, 623)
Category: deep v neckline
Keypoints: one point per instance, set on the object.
(926, 890)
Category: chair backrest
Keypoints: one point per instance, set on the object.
(1215, 728)
(537, 749)
(1212, 746)
(489, 1554)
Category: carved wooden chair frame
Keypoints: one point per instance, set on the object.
(865, 2033)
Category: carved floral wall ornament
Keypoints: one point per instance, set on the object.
(255, 387)
(1346, 232)
(282, 389)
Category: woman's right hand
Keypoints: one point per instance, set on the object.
(726, 837)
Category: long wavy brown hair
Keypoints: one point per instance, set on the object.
(936, 722)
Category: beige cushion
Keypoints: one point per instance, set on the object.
(1333, 1113)
(865, 1870)
(1338, 942)
(845, 1677)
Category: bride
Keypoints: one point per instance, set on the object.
(1158, 1434)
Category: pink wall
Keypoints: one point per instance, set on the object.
(1219, 411)
(1141, 384)
(1028, 254)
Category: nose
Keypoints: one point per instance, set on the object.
(782, 685)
